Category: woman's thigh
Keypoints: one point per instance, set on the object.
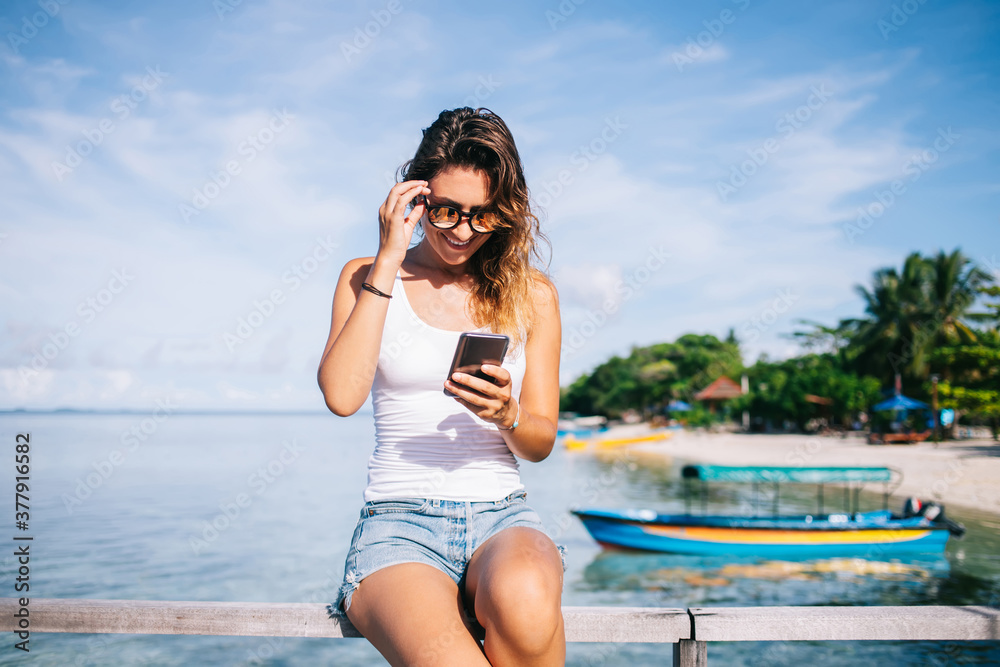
(412, 613)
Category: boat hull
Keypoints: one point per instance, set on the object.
(876, 538)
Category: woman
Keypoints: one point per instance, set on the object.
(445, 530)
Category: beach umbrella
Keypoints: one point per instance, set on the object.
(900, 402)
(678, 406)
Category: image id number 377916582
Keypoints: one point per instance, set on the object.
(22, 542)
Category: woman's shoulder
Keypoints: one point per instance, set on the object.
(543, 290)
(545, 327)
(357, 263)
(354, 273)
(356, 269)
(544, 302)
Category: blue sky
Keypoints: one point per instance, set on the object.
(170, 170)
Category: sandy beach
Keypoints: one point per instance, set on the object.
(965, 473)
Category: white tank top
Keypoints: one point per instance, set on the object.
(427, 444)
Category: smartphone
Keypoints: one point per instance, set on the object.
(474, 350)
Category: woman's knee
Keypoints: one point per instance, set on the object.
(521, 600)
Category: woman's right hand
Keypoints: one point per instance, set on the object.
(395, 226)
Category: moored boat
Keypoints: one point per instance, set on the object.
(920, 528)
(607, 443)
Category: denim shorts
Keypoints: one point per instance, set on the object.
(440, 533)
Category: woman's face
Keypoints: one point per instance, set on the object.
(466, 190)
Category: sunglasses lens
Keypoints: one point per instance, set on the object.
(485, 222)
(442, 216)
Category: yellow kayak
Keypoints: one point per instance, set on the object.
(572, 443)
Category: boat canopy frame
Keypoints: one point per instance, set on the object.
(853, 478)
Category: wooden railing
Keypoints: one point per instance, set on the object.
(689, 630)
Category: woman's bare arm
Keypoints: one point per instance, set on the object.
(350, 357)
(535, 434)
(347, 368)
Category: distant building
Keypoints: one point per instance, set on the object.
(721, 390)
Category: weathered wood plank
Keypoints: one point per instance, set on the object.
(726, 624)
(583, 624)
(626, 624)
(155, 617)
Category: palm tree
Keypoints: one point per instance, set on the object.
(889, 340)
(994, 316)
(954, 290)
(910, 313)
(833, 341)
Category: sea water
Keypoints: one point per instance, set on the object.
(260, 508)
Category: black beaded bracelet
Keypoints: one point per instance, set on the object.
(374, 290)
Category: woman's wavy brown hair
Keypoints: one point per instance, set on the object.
(478, 139)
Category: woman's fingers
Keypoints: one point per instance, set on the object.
(415, 214)
(395, 227)
(499, 372)
(484, 387)
(402, 194)
(463, 389)
(485, 399)
(487, 409)
(400, 190)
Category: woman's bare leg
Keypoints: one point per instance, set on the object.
(412, 613)
(514, 583)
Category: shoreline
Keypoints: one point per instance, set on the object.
(965, 474)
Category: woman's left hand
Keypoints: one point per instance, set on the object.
(488, 401)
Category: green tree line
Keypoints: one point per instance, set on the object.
(920, 322)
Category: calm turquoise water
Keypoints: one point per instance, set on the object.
(139, 527)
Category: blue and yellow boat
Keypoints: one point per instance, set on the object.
(921, 528)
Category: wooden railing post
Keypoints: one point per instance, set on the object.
(690, 653)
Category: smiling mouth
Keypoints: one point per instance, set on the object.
(457, 245)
